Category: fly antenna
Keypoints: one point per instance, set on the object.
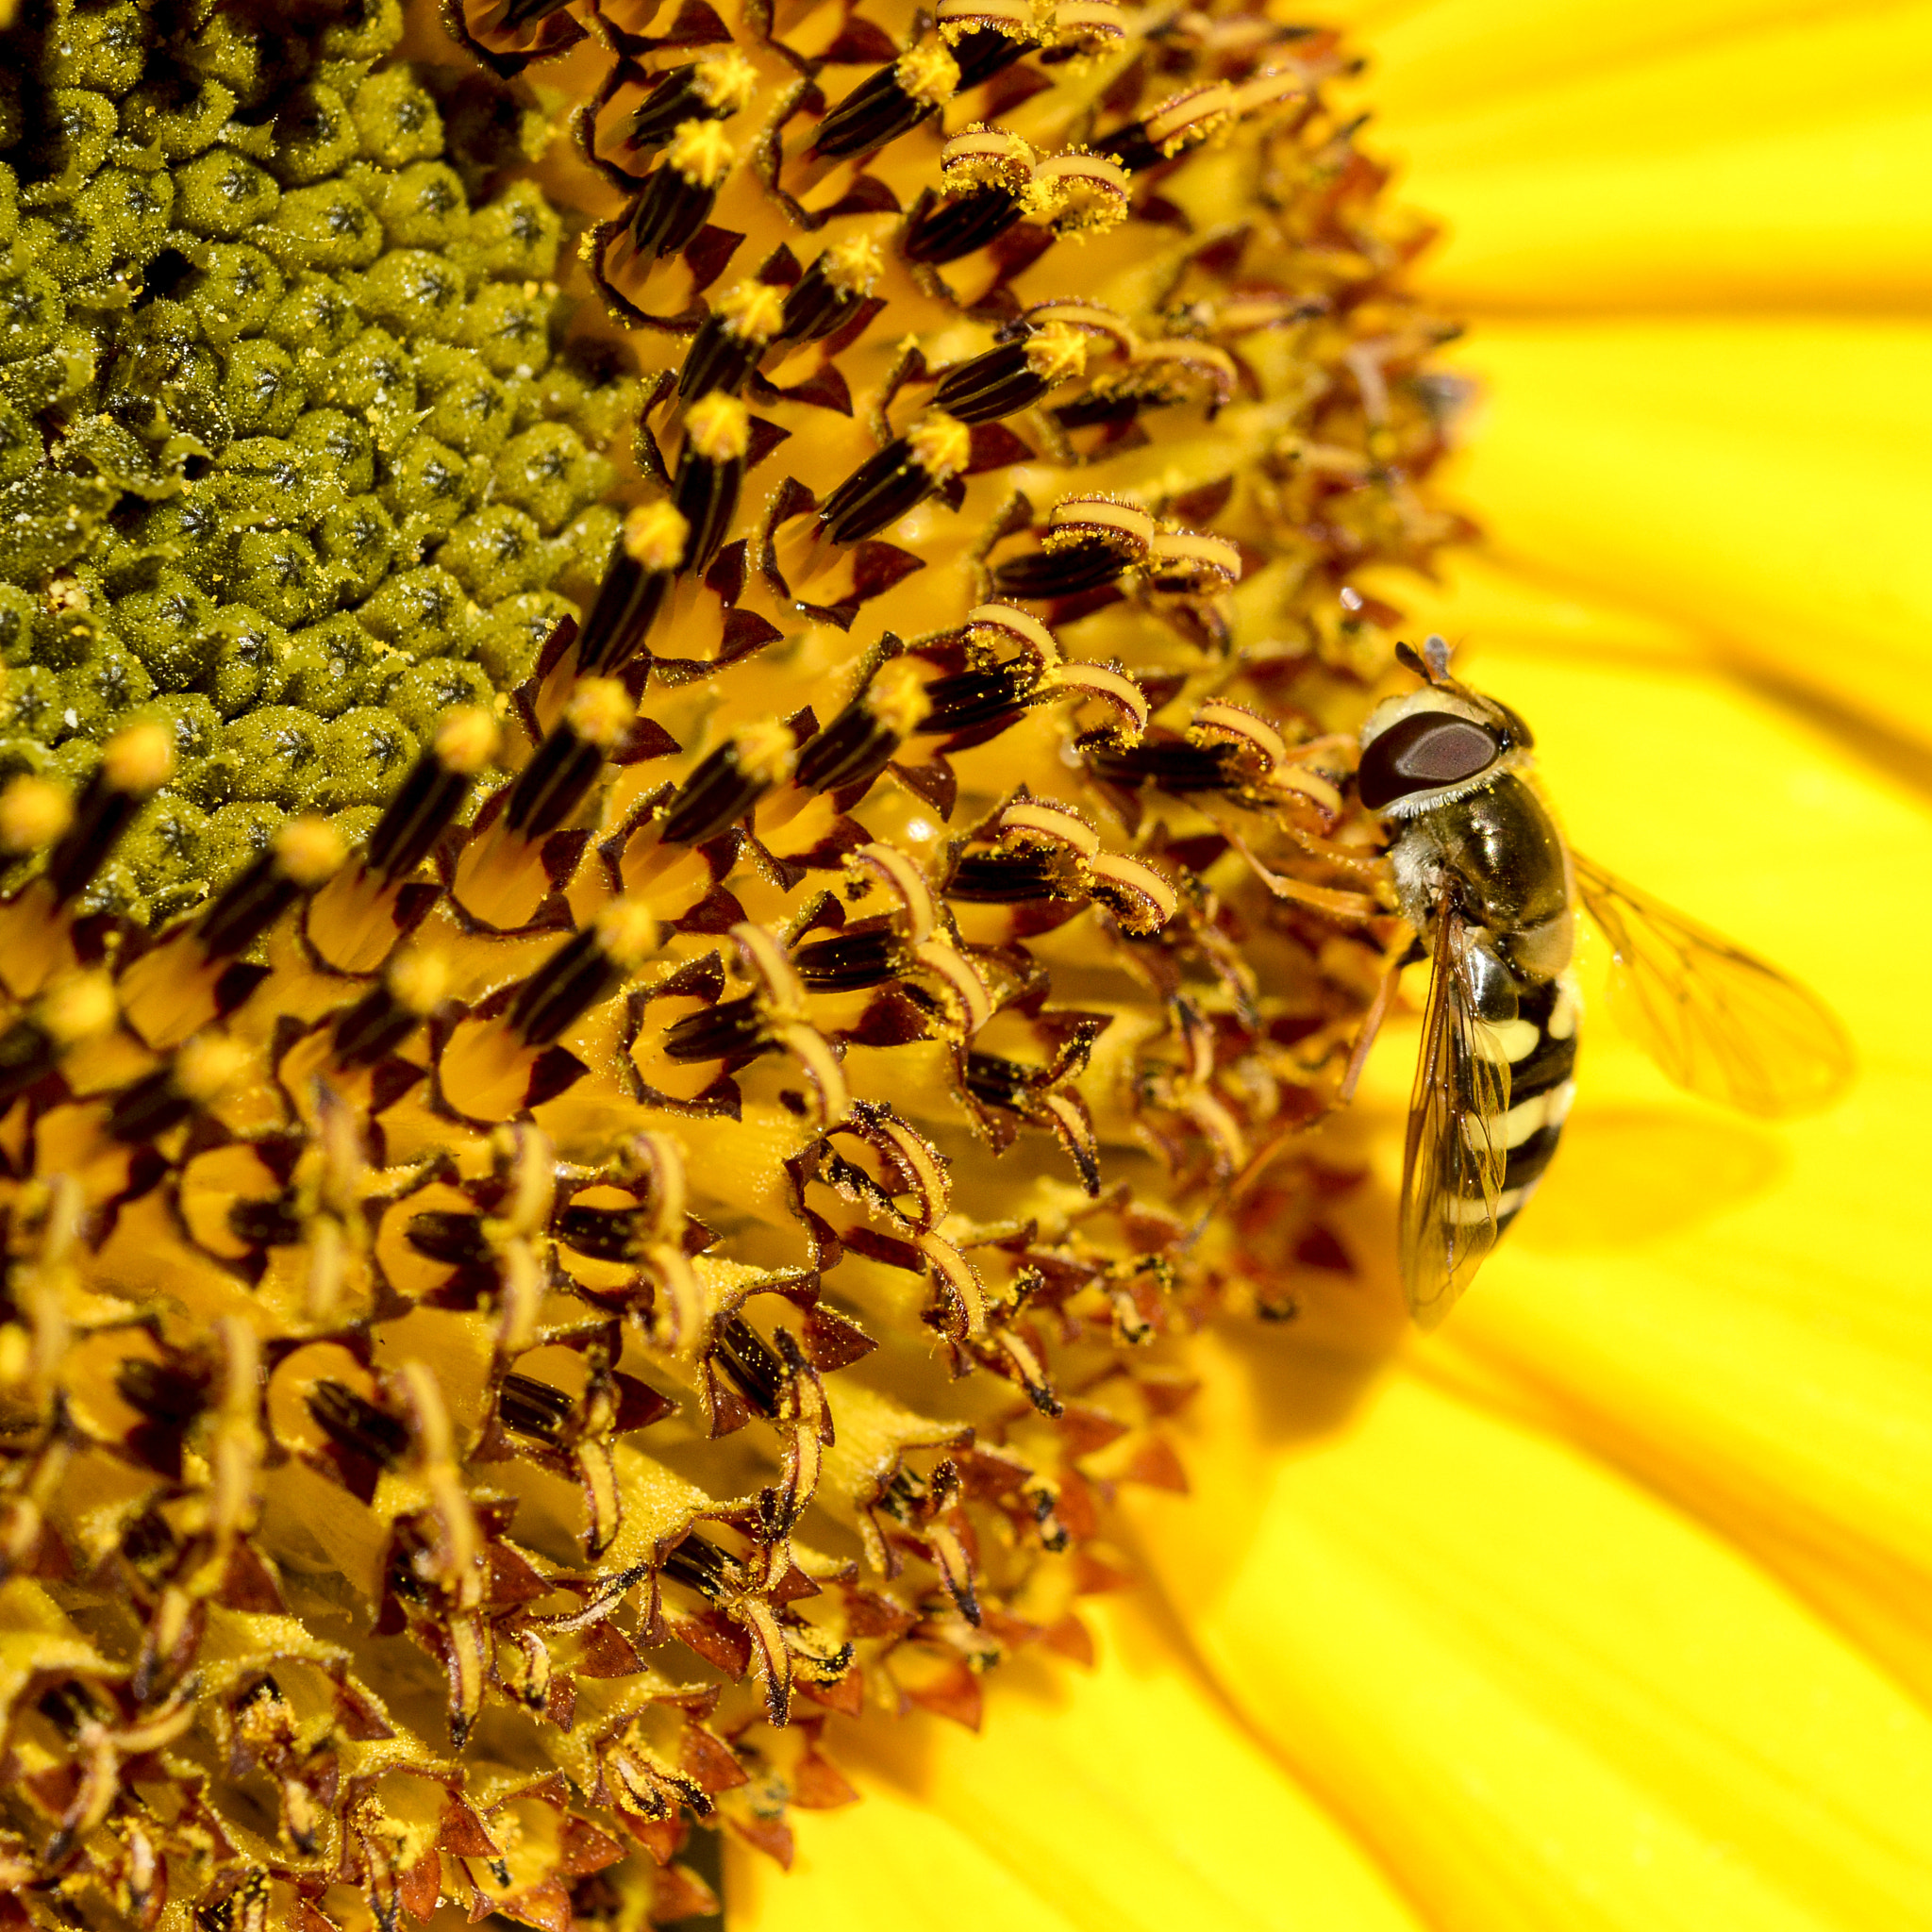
(1430, 668)
(1436, 651)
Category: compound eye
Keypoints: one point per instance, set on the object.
(1520, 736)
(1420, 752)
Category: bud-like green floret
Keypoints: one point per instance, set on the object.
(280, 393)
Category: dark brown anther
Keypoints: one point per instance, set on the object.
(148, 1107)
(1008, 878)
(78, 1008)
(717, 359)
(432, 793)
(985, 52)
(710, 468)
(549, 789)
(534, 1408)
(853, 747)
(680, 191)
(829, 292)
(706, 90)
(391, 1011)
(305, 853)
(851, 961)
(1131, 148)
(953, 225)
(519, 14)
(727, 784)
(973, 699)
(1172, 764)
(357, 1425)
(1112, 407)
(271, 1224)
(990, 385)
(454, 1239)
(735, 1029)
(133, 764)
(607, 1234)
(166, 1097)
(887, 104)
(744, 1354)
(627, 603)
(899, 478)
(148, 1542)
(1063, 573)
(706, 493)
(749, 316)
(649, 553)
(581, 971)
(162, 1393)
(699, 1565)
(674, 101)
(28, 1055)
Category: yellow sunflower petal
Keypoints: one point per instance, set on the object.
(1545, 1694)
(1547, 1698)
(1434, 55)
(1128, 1796)
(1791, 164)
(1764, 480)
(1738, 1314)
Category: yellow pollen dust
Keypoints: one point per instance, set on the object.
(1081, 193)
(1058, 353)
(139, 760)
(983, 156)
(753, 311)
(764, 750)
(942, 446)
(310, 851)
(1017, 19)
(627, 934)
(419, 980)
(699, 151)
(719, 427)
(208, 1065)
(655, 535)
(600, 711)
(79, 1008)
(928, 73)
(466, 740)
(853, 265)
(33, 812)
(726, 81)
(896, 697)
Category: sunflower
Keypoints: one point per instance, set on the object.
(1603, 1607)
(676, 914)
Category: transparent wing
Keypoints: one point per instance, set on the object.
(1716, 1019)
(1451, 1169)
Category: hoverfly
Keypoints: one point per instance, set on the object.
(1484, 877)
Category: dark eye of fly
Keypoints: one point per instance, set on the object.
(1420, 752)
(1521, 737)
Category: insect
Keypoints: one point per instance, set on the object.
(1483, 875)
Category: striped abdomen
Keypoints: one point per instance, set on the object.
(1541, 1047)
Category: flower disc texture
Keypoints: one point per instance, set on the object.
(682, 881)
